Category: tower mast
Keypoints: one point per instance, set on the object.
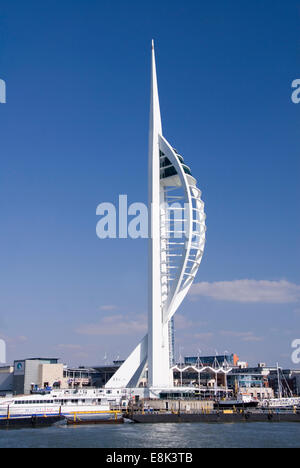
(176, 245)
(155, 318)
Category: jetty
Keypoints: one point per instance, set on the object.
(225, 416)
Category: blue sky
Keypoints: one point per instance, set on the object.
(74, 134)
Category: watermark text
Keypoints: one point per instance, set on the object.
(296, 92)
(2, 352)
(296, 353)
(132, 221)
(2, 92)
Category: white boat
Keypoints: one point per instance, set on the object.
(273, 403)
(81, 404)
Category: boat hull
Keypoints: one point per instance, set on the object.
(229, 405)
(30, 421)
(80, 421)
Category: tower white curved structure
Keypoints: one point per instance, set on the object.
(176, 246)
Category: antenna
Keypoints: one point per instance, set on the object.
(279, 383)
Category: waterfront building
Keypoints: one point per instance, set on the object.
(252, 383)
(80, 377)
(37, 373)
(6, 379)
(226, 359)
(223, 375)
(103, 373)
(176, 246)
(287, 382)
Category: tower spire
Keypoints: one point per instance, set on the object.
(154, 200)
(155, 117)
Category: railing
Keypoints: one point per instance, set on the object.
(76, 414)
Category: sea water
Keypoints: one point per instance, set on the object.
(239, 435)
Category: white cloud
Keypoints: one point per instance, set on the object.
(71, 347)
(115, 325)
(184, 323)
(205, 336)
(243, 336)
(73, 350)
(108, 307)
(15, 340)
(249, 291)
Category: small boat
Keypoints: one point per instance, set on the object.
(242, 401)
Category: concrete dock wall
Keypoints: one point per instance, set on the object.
(213, 418)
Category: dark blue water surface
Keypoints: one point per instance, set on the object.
(268, 435)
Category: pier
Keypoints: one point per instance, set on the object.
(226, 416)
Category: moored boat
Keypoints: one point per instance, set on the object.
(70, 404)
(242, 401)
(281, 403)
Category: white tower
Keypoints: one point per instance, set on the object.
(176, 246)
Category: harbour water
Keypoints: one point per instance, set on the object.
(239, 435)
